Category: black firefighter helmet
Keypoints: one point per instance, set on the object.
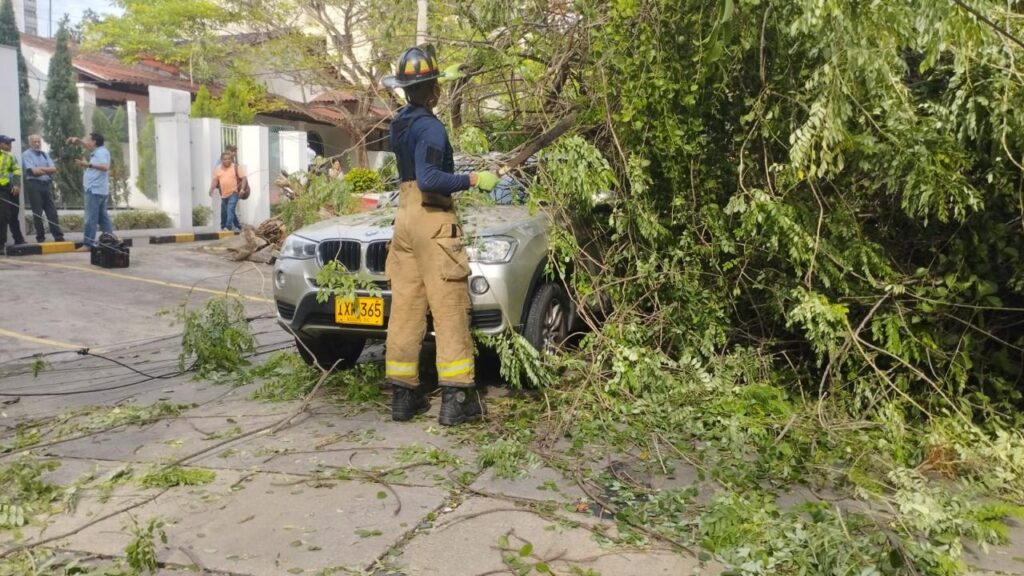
(417, 64)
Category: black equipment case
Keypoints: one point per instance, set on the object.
(111, 252)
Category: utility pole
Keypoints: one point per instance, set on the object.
(421, 22)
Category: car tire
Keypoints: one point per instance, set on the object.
(547, 319)
(328, 350)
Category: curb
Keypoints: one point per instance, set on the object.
(190, 237)
(48, 248)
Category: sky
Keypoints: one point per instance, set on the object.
(72, 7)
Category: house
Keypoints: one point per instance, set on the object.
(104, 82)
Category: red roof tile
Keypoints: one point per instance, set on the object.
(106, 68)
(334, 96)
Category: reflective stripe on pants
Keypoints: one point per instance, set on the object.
(429, 271)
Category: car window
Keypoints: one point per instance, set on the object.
(509, 191)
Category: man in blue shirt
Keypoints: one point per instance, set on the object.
(97, 187)
(427, 262)
(38, 167)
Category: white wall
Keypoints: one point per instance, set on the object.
(38, 64)
(254, 158)
(170, 110)
(293, 151)
(86, 103)
(10, 120)
(335, 139)
(206, 149)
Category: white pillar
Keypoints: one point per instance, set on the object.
(87, 103)
(10, 120)
(133, 153)
(170, 109)
(254, 158)
(293, 152)
(206, 149)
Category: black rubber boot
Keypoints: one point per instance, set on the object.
(407, 403)
(459, 405)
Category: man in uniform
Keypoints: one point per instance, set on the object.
(10, 175)
(427, 264)
(38, 170)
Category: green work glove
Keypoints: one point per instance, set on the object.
(451, 74)
(486, 181)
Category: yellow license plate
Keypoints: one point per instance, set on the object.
(365, 311)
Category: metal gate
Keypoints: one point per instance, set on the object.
(228, 135)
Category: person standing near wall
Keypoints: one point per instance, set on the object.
(228, 178)
(10, 175)
(96, 181)
(38, 168)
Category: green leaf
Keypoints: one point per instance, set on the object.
(727, 10)
(526, 550)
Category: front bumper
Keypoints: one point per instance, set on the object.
(295, 295)
(313, 318)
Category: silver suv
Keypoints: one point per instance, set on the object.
(508, 251)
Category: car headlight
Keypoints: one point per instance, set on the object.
(298, 248)
(492, 250)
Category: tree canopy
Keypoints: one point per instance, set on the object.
(63, 118)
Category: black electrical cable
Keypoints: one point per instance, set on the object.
(136, 383)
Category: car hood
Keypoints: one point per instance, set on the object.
(479, 221)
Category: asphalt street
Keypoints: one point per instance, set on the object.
(338, 489)
(61, 302)
(329, 488)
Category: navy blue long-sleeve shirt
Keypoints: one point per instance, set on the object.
(424, 153)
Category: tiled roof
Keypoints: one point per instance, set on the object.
(335, 96)
(107, 68)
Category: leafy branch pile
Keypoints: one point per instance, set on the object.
(811, 256)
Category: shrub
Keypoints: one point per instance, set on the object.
(363, 180)
(320, 197)
(72, 223)
(201, 215)
(68, 223)
(141, 220)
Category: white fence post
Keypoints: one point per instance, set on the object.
(136, 198)
(254, 158)
(170, 109)
(206, 149)
(86, 103)
(293, 152)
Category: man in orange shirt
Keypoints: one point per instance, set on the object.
(227, 178)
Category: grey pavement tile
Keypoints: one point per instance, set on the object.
(541, 484)
(467, 541)
(1004, 559)
(270, 524)
(323, 442)
(162, 440)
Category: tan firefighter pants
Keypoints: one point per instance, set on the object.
(429, 270)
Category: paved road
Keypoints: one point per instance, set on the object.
(341, 490)
(61, 302)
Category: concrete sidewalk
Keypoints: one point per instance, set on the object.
(340, 489)
(343, 490)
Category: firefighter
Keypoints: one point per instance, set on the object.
(427, 264)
